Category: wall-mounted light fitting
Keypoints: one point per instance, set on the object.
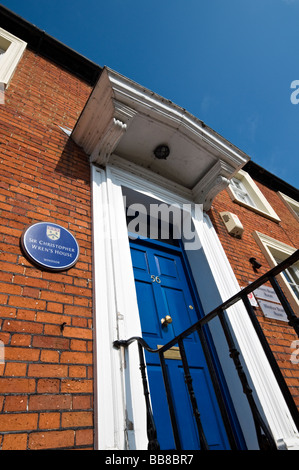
(255, 264)
(162, 152)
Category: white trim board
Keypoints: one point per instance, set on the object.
(14, 49)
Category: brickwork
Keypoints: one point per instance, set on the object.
(46, 381)
(279, 335)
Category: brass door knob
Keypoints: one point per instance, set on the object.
(165, 321)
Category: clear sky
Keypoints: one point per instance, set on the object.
(228, 62)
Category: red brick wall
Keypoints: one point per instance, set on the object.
(279, 335)
(46, 381)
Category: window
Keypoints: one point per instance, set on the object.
(11, 50)
(292, 277)
(291, 204)
(275, 252)
(243, 190)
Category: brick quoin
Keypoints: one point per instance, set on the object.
(46, 383)
(279, 334)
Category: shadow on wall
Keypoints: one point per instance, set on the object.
(73, 163)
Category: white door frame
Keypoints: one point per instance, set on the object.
(120, 410)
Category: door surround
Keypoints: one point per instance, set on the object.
(120, 413)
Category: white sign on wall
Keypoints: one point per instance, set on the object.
(266, 293)
(272, 310)
(270, 304)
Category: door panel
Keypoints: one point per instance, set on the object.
(208, 413)
(163, 288)
(148, 309)
(166, 267)
(160, 407)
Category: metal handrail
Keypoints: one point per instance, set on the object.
(264, 436)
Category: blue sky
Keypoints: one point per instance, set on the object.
(228, 62)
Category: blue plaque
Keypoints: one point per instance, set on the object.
(50, 246)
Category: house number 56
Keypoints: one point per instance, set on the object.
(155, 279)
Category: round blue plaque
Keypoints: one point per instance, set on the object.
(50, 246)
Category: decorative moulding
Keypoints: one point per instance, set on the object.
(108, 142)
(214, 181)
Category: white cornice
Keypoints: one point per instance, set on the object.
(124, 118)
(151, 103)
(102, 122)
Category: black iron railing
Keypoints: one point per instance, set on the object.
(264, 436)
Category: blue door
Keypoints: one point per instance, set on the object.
(163, 289)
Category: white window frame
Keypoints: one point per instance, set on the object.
(13, 48)
(273, 249)
(292, 276)
(120, 410)
(241, 192)
(260, 204)
(291, 204)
